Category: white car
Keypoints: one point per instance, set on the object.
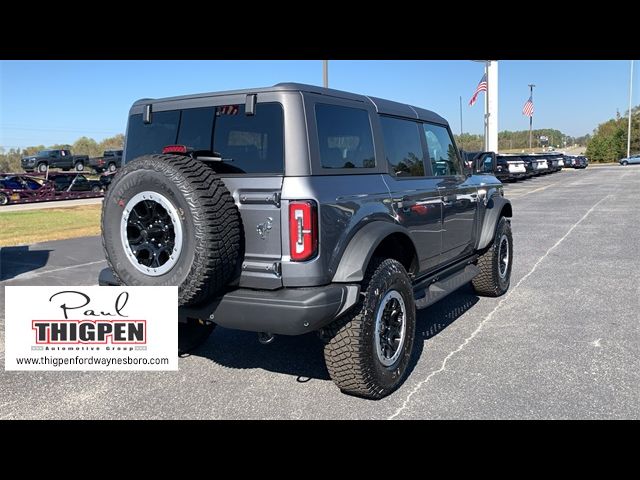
(629, 160)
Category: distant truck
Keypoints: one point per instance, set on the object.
(110, 161)
(54, 159)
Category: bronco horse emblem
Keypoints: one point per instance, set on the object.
(263, 229)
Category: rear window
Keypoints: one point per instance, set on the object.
(143, 139)
(344, 136)
(247, 144)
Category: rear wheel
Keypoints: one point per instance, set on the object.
(169, 220)
(96, 189)
(79, 166)
(112, 167)
(4, 199)
(495, 263)
(369, 348)
(42, 167)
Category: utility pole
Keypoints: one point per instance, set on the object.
(531, 85)
(629, 127)
(325, 73)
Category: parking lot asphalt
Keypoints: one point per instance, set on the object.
(564, 342)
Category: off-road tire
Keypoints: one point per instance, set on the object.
(488, 282)
(350, 352)
(212, 247)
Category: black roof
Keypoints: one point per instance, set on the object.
(381, 105)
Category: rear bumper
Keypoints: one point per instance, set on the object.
(287, 311)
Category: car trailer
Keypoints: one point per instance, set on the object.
(46, 193)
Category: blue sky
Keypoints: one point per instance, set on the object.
(46, 102)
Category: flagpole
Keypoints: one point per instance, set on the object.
(461, 130)
(486, 108)
(629, 127)
(531, 85)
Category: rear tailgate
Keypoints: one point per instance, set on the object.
(259, 202)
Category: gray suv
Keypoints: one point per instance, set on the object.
(293, 208)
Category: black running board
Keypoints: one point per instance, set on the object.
(440, 289)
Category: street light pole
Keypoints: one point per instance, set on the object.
(531, 85)
(325, 73)
(629, 127)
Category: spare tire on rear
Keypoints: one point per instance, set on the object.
(169, 220)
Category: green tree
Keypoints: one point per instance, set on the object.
(86, 146)
(609, 140)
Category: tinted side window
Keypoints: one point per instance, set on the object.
(196, 126)
(250, 144)
(403, 146)
(344, 136)
(149, 138)
(442, 151)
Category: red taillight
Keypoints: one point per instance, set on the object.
(303, 230)
(174, 149)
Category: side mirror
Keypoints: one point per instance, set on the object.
(479, 162)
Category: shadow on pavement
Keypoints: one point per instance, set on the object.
(15, 261)
(302, 356)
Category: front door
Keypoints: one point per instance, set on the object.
(415, 197)
(459, 198)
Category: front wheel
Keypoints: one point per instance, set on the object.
(4, 199)
(112, 167)
(79, 167)
(42, 167)
(495, 263)
(625, 163)
(369, 349)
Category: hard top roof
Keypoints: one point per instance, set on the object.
(381, 105)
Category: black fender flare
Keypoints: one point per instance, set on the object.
(357, 255)
(497, 207)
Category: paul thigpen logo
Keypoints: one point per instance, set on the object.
(108, 326)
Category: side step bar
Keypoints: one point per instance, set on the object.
(444, 287)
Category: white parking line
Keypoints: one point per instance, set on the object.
(442, 368)
(533, 191)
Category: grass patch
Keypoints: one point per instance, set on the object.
(42, 225)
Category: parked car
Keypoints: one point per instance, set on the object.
(110, 161)
(569, 161)
(553, 161)
(54, 159)
(504, 167)
(105, 180)
(335, 236)
(538, 164)
(630, 160)
(74, 182)
(581, 162)
(13, 187)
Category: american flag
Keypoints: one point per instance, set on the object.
(528, 108)
(482, 87)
